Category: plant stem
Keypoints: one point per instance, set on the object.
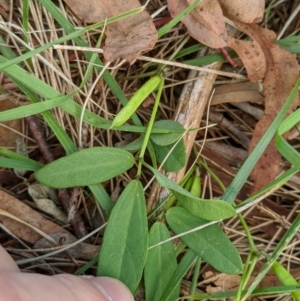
(248, 269)
(195, 276)
(150, 126)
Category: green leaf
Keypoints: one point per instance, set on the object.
(102, 197)
(175, 160)
(291, 44)
(125, 243)
(19, 164)
(86, 167)
(209, 243)
(34, 108)
(185, 264)
(13, 155)
(135, 145)
(278, 250)
(288, 151)
(213, 210)
(160, 264)
(207, 209)
(166, 139)
(87, 266)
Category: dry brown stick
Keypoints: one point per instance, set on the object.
(229, 127)
(64, 197)
(39, 138)
(255, 112)
(233, 155)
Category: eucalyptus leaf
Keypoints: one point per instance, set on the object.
(176, 159)
(125, 243)
(86, 167)
(207, 209)
(160, 264)
(209, 243)
(166, 139)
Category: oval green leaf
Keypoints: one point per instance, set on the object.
(86, 167)
(213, 210)
(175, 159)
(125, 243)
(209, 243)
(134, 145)
(169, 138)
(160, 264)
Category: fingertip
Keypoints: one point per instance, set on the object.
(7, 264)
(112, 289)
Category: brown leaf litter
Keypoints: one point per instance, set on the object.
(262, 58)
(127, 38)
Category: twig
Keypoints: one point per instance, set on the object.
(229, 127)
(233, 155)
(74, 218)
(159, 61)
(228, 57)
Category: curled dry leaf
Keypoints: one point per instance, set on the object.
(51, 208)
(244, 10)
(126, 38)
(281, 75)
(79, 251)
(44, 197)
(252, 57)
(40, 191)
(205, 23)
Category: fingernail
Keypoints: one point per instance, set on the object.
(112, 289)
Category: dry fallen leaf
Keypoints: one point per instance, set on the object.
(244, 10)
(281, 75)
(224, 282)
(81, 250)
(33, 228)
(261, 57)
(205, 23)
(9, 129)
(127, 38)
(252, 57)
(17, 208)
(237, 92)
(44, 198)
